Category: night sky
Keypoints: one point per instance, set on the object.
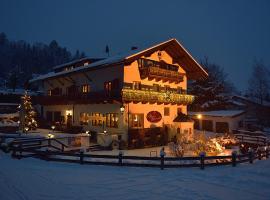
(230, 33)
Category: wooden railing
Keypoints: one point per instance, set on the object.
(156, 97)
(160, 71)
(139, 161)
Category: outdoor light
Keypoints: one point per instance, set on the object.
(105, 132)
(87, 133)
(50, 136)
(53, 127)
(26, 129)
(199, 116)
(122, 109)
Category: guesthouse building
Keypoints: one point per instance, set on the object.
(136, 97)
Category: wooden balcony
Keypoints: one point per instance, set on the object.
(144, 96)
(90, 98)
(159, 71)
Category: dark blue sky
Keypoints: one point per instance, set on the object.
(231, 33)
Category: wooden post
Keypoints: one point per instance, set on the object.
(250, 155)
(20, 149)
(81, 157)
(202, 157)
(267, 152)
(120, 159)
(233, 158)
(162, 162)
(259, 152)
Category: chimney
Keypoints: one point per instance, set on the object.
(134, 48)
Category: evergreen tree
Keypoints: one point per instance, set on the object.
(27, 114)
(212, 93)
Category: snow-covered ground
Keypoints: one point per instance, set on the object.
(29, 179)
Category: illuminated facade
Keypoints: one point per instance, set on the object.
(137, 96)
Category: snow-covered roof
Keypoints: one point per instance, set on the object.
(17, 91)
(9, 115)
(253, 100)
(129, 56)
(107, 61)
(219, 113)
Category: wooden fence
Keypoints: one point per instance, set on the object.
(137, 161)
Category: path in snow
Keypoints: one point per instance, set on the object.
(29, 179)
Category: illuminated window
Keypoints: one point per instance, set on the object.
(136, 120)
(136, 85)
(84, 118)
(156, 87)
(108, 86)
(86, 63)
(97, 119)
(49, 92)
(86, 88)
(166, 111)
(112, 120)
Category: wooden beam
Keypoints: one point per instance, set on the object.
(88, 78)
(50, 84)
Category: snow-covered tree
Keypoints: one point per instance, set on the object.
(27, 114)
(259, 83)
(212, 93)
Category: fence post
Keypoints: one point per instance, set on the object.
(13, 154)
(259, 152)
(161, 162)
(234, 158)
(81, 157)
(20, 149)
(202, 158)
(120, 158)
(47, 155)
(250, 155)
(266, 152)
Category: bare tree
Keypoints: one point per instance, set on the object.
(259, 82)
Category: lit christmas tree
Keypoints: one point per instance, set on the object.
(27, 114)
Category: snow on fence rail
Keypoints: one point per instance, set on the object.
(138, 161)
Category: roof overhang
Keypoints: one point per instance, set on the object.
(179, 54)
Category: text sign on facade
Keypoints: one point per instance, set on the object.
(154, 116)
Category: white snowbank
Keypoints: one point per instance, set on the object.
(37, 179)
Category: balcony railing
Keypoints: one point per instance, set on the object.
(145, 96)
(88, 98)
(159, 71)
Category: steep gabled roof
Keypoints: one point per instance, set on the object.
(179, 54)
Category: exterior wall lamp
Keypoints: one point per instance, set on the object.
(122, 109)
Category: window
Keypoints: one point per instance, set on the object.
(156, 87)
(97, 119)
(49, 116)
(112, 120)
(196, 124)
(179, 111)
(166, 111)
(207, 125)
(179, 90)
(108, 86)
(167, 88)
(49, 92)
(222, 127)
(136, 85)
(86, 88)
(136, 120)
(57, 116)
(84, 118)
(86, 63)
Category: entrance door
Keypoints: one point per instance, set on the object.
(69, 121)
